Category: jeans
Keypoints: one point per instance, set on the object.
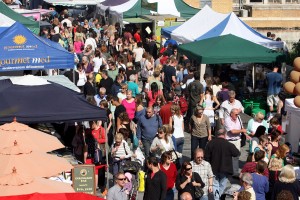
(219, 185)
(197, 142)
(179, 144)
(170, 195)
(147, 145)
(116, 166)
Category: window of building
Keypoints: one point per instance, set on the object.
(275, 1)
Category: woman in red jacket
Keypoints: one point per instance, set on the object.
(99, 133)
(169, 168)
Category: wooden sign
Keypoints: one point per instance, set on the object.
(83, 177)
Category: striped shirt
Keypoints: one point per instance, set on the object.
(121, 150)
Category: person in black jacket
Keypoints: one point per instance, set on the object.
(106, 82)
(156, 181)
(187, 180)
(116, 87)
(219, 153)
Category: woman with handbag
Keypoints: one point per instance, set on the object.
(189, 181)
(120, 151)
(161, 143)
(99, 134)
(93, 155)
(200, 130)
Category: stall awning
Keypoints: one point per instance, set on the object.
(137, 20)
(73, 3)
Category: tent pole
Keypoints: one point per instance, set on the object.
(253, 77)
(106, 155)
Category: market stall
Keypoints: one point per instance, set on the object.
(291, 124)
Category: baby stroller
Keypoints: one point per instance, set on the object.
(132, 167)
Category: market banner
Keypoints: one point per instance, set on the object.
(20, 49)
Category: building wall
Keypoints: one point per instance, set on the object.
(273, 23)
(276, 12)
(222, 6)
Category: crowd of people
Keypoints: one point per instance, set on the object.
(152, 96)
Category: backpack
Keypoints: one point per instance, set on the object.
(183, 105)
(144, 73)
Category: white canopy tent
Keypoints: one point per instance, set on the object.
(291, 125)
(5, 22)
(166, 7)
(198, 25)
(208, 23)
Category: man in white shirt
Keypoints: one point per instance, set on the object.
(137, 54)
(228, 105)
(91, 41)
(234, 128)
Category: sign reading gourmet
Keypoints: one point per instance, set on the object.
(83, 177)
(20, 49)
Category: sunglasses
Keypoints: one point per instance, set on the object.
(188, 168)
(121, 179)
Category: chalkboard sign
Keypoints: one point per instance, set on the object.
(83, 177)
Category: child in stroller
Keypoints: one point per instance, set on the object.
(131, 170)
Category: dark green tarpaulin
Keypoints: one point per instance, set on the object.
(185, 10)
(138, 10)
(32, 25)
(229, 49)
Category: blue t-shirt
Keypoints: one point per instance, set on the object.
(260, 186)
(274, 83)
(133, 87)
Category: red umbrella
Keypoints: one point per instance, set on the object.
(53, 196)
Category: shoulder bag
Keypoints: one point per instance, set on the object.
(198, 190)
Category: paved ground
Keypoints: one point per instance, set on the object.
(187, 155)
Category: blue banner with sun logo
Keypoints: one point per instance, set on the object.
(20, 49)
